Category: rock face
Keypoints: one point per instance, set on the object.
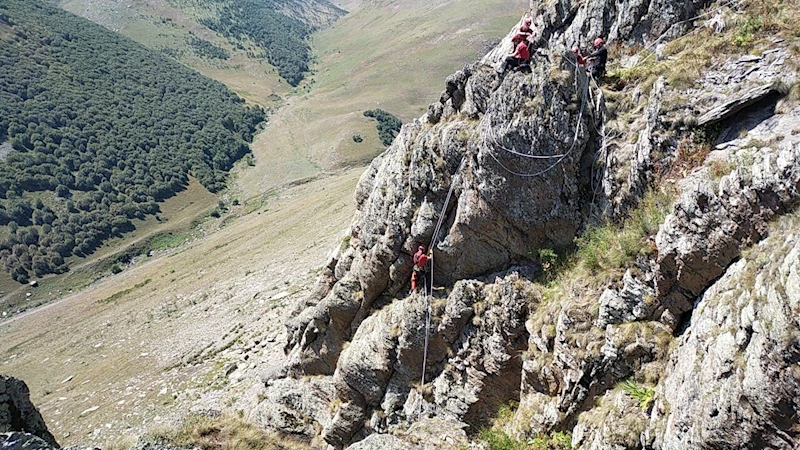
(734, 381)
(476, 336)
(568, 22)
(709, 227)
(502, 167)
(516, 189)
(17, 413)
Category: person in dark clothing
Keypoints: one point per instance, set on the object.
(522, 54)
(596, 62)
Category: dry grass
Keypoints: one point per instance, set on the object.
(146, 339)
(750, 29)
(224, 432)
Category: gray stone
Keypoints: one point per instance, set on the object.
(294, 408)
(708, 227)
(17, 413)
(382, 442)
(733, 106)
(734, 381)
(635, 300)
(16, 440)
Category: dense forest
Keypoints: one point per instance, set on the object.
(283, 39)
(388, 125)
(97, 130)
(205, 49)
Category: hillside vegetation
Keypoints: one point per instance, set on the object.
(282, 39)
(393, 56)
(100, 130)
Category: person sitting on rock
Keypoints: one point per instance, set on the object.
(522, 54)
(596, 62)
(420, 266)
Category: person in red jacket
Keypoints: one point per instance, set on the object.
(420, 262)
(522, 54)
(525, 29)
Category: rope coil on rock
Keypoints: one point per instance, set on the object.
(560, 157)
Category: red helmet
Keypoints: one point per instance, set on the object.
(576, 50)
(598, 42)
(421, 248)
(527, 21)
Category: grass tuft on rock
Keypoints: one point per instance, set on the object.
(223, 432)
(610, 248)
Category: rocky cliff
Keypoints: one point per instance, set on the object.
(685, 337)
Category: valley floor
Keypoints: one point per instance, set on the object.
(184, 331)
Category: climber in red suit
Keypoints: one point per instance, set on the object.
(420, 262)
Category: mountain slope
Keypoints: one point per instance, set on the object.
(100, 131)
(579, 229)
(260, 44)
(387, 55)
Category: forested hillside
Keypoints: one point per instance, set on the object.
(96, 130)
(283, 39)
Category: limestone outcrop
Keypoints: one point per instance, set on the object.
(734, 380)
(517, 188)
(500, 169)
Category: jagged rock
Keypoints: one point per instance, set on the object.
(295, 409)
(384, 361)
(566, 23)
(439, 434)
(635, 300)
(570, 360)
(734, 381)
(733, 106)
(495, 216)
(708, 228)
(427, 434)
(17, 413)
(23, 441)
(616, 424)
(382, 442)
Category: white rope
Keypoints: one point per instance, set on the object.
(564, 155)
(427, 336)
(429, 293)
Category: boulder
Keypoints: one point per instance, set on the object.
(17, 413)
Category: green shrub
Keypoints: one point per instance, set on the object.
(644, 394)
(499, 440)
(611, 247)
(745, 34)
(388, 124)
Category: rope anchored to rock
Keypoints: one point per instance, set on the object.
(429, 293)
(560, 157)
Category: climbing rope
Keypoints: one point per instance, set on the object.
(562, 156)
(428, 291)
